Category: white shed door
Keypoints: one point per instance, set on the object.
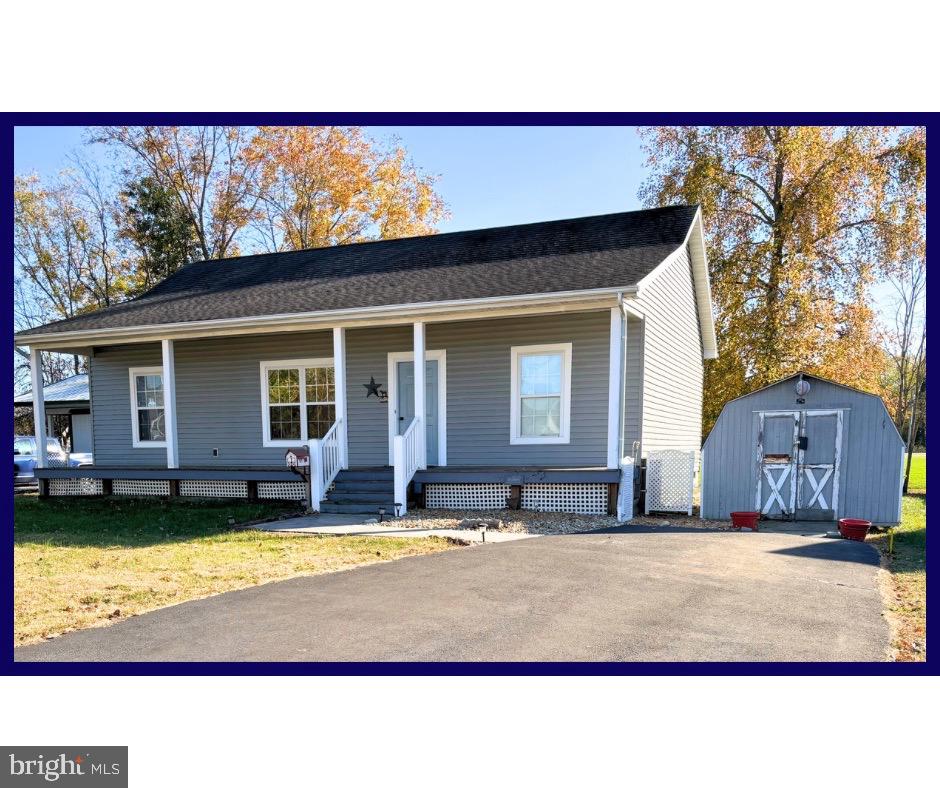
(777, 437)
(819, 461)
(81, 432)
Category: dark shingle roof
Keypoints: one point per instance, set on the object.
(73, 389)
(609, 251)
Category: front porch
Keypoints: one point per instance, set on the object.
(356, 490)
(470, 427)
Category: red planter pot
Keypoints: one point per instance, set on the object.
(745, 520)
(852, 528)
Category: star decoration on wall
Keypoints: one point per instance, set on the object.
(373, 388)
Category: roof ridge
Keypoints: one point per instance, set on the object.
(452, 233)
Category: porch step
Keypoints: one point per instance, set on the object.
(361, 496)
(328, 507)
(366, 474)
(363, 485)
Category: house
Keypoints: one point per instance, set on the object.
(68, 399)
(804, 448)
(533, 363)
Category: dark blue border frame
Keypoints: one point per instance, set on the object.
(10, 667)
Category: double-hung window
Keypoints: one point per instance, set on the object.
(541, 394)
(298, 400)
(147, 409)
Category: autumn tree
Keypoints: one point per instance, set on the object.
(158, 229)
(800, 221)
(205, 170)
(326, 185)
(67, 254)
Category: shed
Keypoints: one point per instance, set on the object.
(804, 448)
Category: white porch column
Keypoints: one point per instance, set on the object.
(169, 404)
(615, 375)
(420, 394)
(339, 382)
(39, 406)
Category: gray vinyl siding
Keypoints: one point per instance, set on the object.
(479, 397)
(633, 385)
(218, 392)
(870, 468)
(367, 352)
(218, 398)
(672, 361)
(111, 405)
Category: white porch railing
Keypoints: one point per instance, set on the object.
(326, 460)
(406, 452)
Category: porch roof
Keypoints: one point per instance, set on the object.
(566, 256)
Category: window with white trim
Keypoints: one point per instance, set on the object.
(298, 400)
(541, 394)
(148, 417)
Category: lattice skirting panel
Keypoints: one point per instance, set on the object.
(75, 487)
(576, 498)
(216, 488)
(670, 481)
(466, 496)
(140, 487)
(285, 491)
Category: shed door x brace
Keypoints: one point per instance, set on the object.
(798, 461)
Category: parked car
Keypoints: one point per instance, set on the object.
(24, 458)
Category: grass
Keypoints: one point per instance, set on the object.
(89, 562)
(906, 595)
(918, 479)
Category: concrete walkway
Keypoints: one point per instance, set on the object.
(365, 525)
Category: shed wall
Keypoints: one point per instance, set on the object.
(872, 451)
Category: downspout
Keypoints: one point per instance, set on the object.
(623, 372)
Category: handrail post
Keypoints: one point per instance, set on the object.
(316, 475)
(401, 485)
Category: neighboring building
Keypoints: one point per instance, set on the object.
(67, 398)
(804, 448)
(553, 353)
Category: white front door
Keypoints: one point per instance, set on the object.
(406, 402)
(401, 401)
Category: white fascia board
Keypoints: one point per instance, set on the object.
(695, 240)
(435, 311)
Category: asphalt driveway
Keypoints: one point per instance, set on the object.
(627, 595)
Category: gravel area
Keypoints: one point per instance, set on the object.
(542, 522)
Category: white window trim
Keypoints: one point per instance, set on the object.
(134, 373)
(515, 438)
(289, 363)
(440, 356)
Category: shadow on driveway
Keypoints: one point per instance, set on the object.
(834, 550)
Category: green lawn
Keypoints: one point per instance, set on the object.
(89, 562)
(918, 480)
(907, 596)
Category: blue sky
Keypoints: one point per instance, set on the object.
(489, 176)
